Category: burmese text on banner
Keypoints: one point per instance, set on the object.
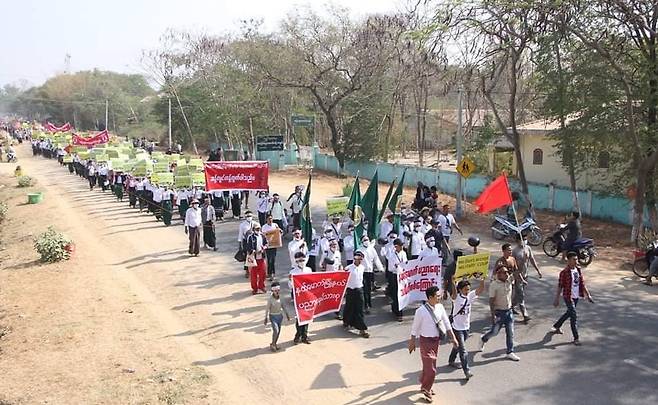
(415, 277)
(237, 175)
(316, 294)
(99, 138)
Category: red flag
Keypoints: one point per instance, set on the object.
(52, 128)
(496, 195)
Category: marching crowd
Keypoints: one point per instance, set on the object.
(425, 229)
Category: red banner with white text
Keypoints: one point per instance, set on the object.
(99, 138)
(52, 128)
(316, 294)
(237, 175)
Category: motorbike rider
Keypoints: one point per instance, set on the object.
(573, 231)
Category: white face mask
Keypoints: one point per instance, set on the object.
(366, 243)
(431, 244)
(299, 263)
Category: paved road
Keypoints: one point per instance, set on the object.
(617, 363)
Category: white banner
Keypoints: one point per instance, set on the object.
(416, 276)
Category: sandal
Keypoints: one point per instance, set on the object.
(272, 347)
(427, 395)
(364, 334)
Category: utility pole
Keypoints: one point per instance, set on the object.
(169, 120)
(458, 140)
(107, 104)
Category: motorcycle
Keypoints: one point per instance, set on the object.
(584, 247)
(643, 259)
(11, 157)
(503, 228)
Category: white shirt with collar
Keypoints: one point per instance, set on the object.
(268, 228)
(297, 270)
(296, 205)
(348, 247)
(385, 227)
(417, 242)
(429, 252)
(446, 223)
(263, 204)
(423, 324)
(158, 194)
(193, 217)
(245, 226)
(335, 256)
(356, 275)
(370, 258)
(295, 246)
(276, 210)
(396, 260)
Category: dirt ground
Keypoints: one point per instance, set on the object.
(130, 319)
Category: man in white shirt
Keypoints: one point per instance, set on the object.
(193, 227)
(208, 218)
(297, 244)
(277, 211)
(416, 241)
(182, 202)
(353, 310)
(430, 322)
(386, 226)
(323, 245)
(299, 267)
(296, 206)
(262, 206)
(447, 222)
(91, 175)
(270, 226)
(348, 245)
(370, 262)
(157, 202)
(141, 196)
(460, 316)
(430, 249)
(396, 259)
(102, 176)
(332, 259)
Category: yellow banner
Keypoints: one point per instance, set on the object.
(472, 266)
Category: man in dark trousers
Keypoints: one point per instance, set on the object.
(354, 305)
(193, 224)
(208, 218)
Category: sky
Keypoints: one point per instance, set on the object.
(111, 35)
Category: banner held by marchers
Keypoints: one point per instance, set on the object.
(416, 277)
(317, 294)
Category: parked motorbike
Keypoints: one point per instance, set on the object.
(643, 259)
(584, 247)
(503, 228)
(11, 157)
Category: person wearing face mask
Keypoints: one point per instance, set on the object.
(396, 260)
(296, 206)
(299, 267)
(243, 230)
(370, 262)
(386, 226)
(332, 259)
(353, 309)
(384, 252)
(416, 241)
(277, 211)
(500, 302)
(430, 249)
(348, 245)
(297, 244)
(256, 245)
(271, 252)
(262, 206)
(323, 245)
(236, 203)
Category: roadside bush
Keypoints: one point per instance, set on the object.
(25, 181)
(3, 210)
(52, 246)
(347, 188)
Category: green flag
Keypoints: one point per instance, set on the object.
(355, 207)
(370, 204)
(387, 199)
(305, 219)
(394, 204)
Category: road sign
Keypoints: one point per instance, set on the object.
(307, 121)
(466, 167)
(269, 143)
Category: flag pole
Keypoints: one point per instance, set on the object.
(516, 218)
